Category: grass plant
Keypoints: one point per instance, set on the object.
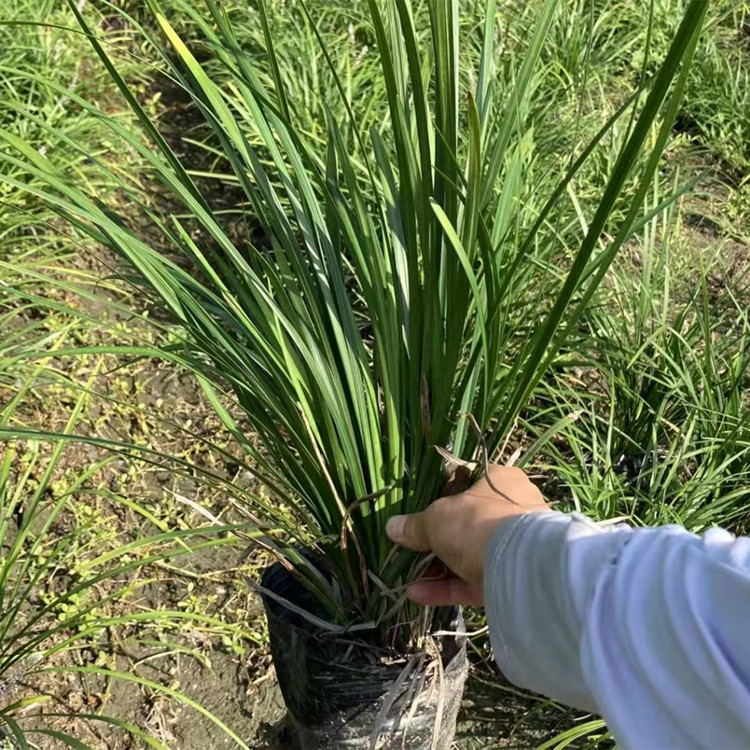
(642, 414)
(38, 40)
(381, 338)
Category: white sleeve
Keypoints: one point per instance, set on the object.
(649, 628)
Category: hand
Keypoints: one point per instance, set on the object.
(458, 528)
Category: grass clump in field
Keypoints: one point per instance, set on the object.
(661, 426)
(45, 62)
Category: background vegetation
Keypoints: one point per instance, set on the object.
(643, 417)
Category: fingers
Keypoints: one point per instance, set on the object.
(445, 591)
(498, 481)
(499, 473)
(507, 484)
(409, 531)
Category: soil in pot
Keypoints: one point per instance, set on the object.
(343, 692)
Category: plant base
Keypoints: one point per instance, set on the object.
(342, 692)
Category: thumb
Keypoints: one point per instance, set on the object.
(409, 531)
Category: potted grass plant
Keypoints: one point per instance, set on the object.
(409, 290)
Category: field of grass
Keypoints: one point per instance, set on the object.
(127, 605)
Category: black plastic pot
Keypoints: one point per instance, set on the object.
(341, 692)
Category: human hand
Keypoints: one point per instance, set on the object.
(458, 528)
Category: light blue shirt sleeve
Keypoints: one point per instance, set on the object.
(648, 627)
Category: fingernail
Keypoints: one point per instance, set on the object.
(395, 528)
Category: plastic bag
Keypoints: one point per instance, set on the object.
(341, 692)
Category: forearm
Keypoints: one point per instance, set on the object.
(647, 627)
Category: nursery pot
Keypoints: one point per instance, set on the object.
(342, 691)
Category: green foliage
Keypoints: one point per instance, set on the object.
(591, 732)
(715, 109)
(664, 436)
(372, 321)
(40, 43)
(644, 414)
(608, 44)
(303, 71)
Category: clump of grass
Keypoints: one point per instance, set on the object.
(43, 58)
(379, 319)
(303, 71)
(715, 111)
